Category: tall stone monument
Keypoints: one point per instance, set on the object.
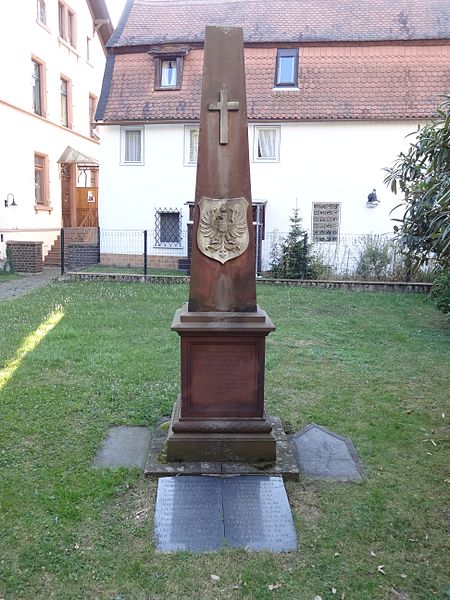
(219, 416)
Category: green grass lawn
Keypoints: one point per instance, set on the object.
(131, 270)
(7, 276)
(76, 358)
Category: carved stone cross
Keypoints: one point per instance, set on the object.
(224, 106)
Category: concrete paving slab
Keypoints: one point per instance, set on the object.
(124, 446)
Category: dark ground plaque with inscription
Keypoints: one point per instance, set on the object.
(189, 514)
(202, 514)
(324, 454)
(257, 515)
(219, 416)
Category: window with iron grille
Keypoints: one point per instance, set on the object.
(168, 228)
(325, 221)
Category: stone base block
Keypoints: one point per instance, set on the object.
(219, 445)
(158, 466)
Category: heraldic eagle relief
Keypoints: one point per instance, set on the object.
(222, 233)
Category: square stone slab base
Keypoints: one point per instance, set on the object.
(124, 446)
(285, 464)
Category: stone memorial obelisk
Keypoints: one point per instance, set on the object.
(219, 416)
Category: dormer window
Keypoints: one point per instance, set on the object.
(286, 72)
(168, 71)
(168, 63)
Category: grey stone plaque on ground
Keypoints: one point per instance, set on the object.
(326, 455)
(201, 514)
(257, 514)
(124, 447)
(188, 514)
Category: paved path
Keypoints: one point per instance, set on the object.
(27, 282)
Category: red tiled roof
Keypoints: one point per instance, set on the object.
(147, 22)
(376, 81)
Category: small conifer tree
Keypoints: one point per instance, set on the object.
(292, 258)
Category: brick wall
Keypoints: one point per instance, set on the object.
(169, 263)
(26, 257)
(78, 256)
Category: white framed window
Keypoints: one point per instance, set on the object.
(132, 145)
(168, 228)
(266, 146)
(286, 69)
(326, 218)
(41, 12)
(191, 136)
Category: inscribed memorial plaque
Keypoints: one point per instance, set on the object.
(202, 514)
(189, 514)
(257, 514)
(222, 378)
(327, 455)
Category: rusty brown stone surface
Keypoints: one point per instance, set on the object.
(222, 365)
(223, 172)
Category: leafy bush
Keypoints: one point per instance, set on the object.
(422, 175)
(441, 291)
(375, 260)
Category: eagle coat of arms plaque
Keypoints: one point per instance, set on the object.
(222, 232)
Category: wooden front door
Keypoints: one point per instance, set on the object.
(87, 207)
(66, 186)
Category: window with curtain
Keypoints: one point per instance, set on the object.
(168, 72)
(132, 146)
(267, 143)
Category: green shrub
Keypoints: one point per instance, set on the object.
(380, 260)
(441, 291)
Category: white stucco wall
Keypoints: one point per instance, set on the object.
(319, 162)
(23, 132)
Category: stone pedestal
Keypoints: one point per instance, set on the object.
(220, 413)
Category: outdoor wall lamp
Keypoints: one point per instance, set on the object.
(372, 199)
(10, 200)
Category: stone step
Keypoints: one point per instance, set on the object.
(53, 258)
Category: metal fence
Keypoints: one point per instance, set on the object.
(127, 251)
(359, 256)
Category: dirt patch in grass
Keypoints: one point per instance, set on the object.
(304, 501)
